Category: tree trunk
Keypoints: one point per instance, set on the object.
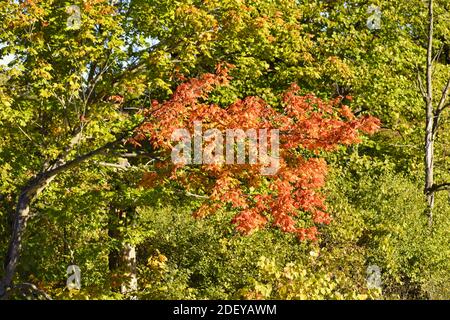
(430, 120)
(129, 261)
(122, 260)
(429, 159)
(35, 187)
(21, 217)
(15, 244)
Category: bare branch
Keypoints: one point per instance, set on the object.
(438, 54)
(26, 135)
(421, 87)
(114, 165)
(76, 139)
(190, 194)
(439, 187)
(441, 106)
(444, 97)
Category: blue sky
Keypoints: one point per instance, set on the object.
(7, 58)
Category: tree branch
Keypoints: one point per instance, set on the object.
(190, 194)
(444, 96)
(438, 54)
(441, 106)
(114, 165)
(439, 187)
(421, 87)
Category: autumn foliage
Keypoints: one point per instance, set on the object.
(290, 199)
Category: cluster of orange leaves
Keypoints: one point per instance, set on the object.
(305, 122)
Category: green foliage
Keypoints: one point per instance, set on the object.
(386, 213)
(96, 79)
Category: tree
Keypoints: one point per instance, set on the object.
(54, 105)
(433, 114)
(308, 126)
